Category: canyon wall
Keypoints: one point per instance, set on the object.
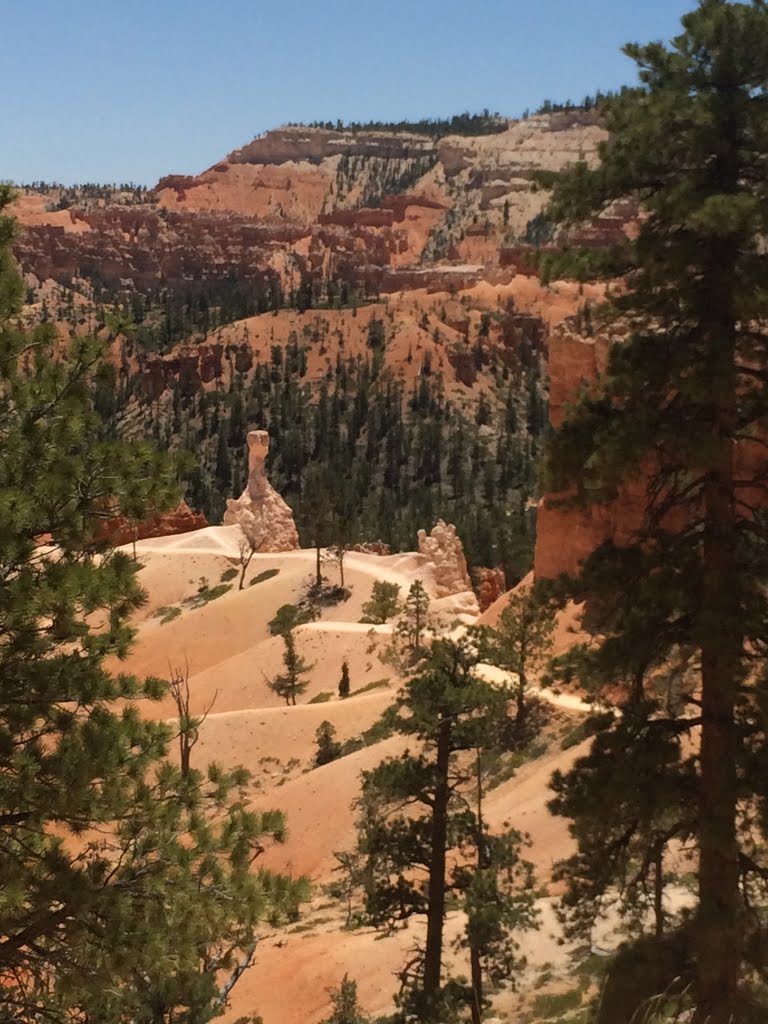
(566, 535)
(367, 207)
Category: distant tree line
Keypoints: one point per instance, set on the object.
(68, 195)
(484, 123)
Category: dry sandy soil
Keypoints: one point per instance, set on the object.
(226, 647)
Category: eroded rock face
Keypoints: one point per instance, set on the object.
(121, 530)
(359, 206)
(260, 512)
(490, 584)
(565, 535)
(442, 547)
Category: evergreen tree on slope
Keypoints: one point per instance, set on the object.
(681, 612)
(105, 847)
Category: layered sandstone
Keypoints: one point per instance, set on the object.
(490, 584)
(260, 512)
(122, 530)
(297, 202)
(567, 534)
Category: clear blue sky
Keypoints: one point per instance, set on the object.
(118, 90)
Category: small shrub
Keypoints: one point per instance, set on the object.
(381, 729)
(205, 593)
(327, 594)
(346, 1009)
(320, 698)
(573, 737)
(228, 574)
(288, 617)
(344, 680)
(376, 684)
(384, 603)
(591, 725)
(328, 748)
(554, 1006)
(168, 613)
(268, 574)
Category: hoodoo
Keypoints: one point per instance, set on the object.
(443, 549)
(264, 517)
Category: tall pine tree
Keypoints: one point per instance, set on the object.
(682, 404)
(127, 883)
(426, 804)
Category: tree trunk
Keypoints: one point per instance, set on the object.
(245, 562)
(477, 985)
(318, 576)
(521, 710)
(475, 963)
(658, 889)
(719, 932)
(436, 910)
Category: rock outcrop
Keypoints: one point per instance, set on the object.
(565, 535)
(260, 512)
(442, 548)
(490, 584)
(364, 207)
(122, 530)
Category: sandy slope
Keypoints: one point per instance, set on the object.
(229, 653)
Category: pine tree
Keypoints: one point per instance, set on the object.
(523, 643)
(384, 603)
(318, 511)
(72, 767)
(128, 884)
(414, 619)
(290, 684)
(328, 747)
(192, 927)
(448, 710)
(346, 1009)
(498, 902)
(68, 761)
(682, 403)
(344, 681)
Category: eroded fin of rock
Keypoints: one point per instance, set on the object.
(443, 550)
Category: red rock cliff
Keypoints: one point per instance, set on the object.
(124, 531)
(565, 536)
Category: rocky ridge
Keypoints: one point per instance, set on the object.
(121, 530)
(356, 206)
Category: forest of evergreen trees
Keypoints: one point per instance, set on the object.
(484, 123)
(393, 457)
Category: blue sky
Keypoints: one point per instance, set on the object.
(99, 90)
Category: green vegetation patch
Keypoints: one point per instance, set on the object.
(554, 1006)
(376, 684)
(268, 574)
(205, 593)
(168, 613)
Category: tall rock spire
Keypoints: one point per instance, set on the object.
(265, 519)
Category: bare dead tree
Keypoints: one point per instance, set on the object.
(248, 545)
(189, 724)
